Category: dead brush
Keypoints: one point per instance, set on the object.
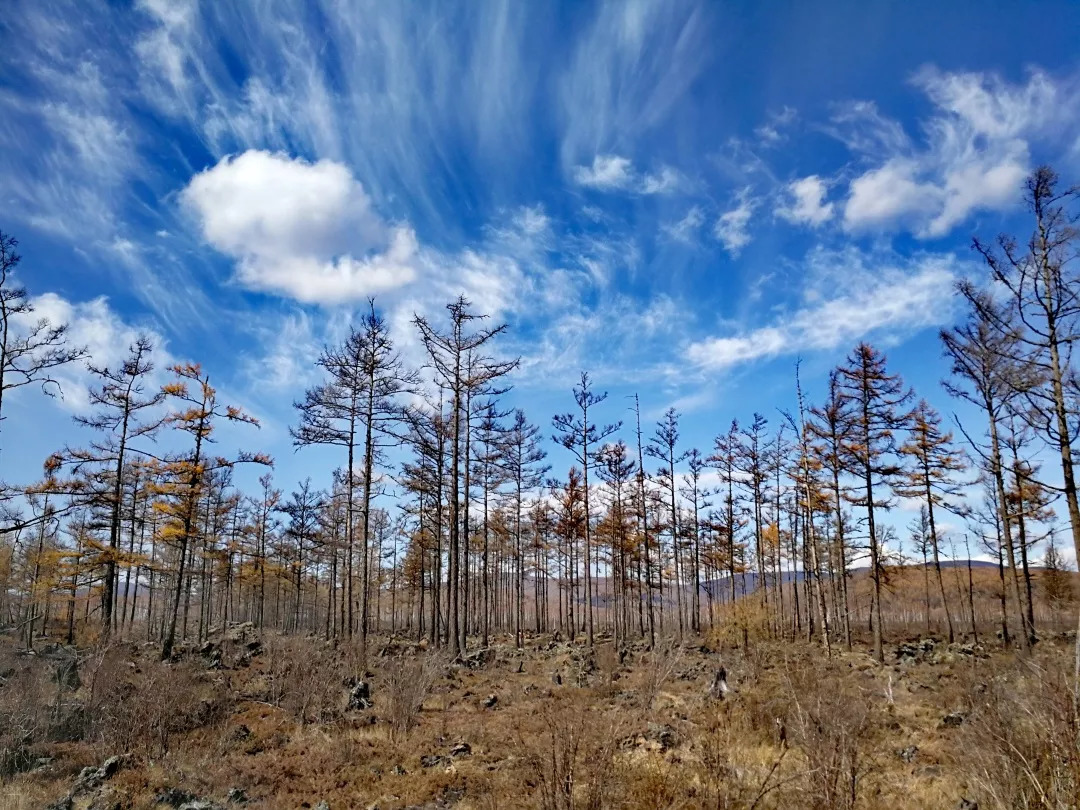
(141, 706)
(304, 679)
(1021, 742)
(663, 662)
(25, 714)
(571, 758)
(741, 625)
(406, 684)
(831, 725)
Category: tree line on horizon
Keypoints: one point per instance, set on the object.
(444, 521)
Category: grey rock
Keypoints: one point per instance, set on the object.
(359, 695)
(174, 797)
(663, 735)
(908, 754)
(719, 688)
(953, 719)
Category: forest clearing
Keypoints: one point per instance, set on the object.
(490, 404)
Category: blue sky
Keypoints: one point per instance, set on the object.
(680, 198)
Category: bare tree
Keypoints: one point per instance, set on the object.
(934, 464)
(120, 400)
(874, 399)
(29, 351)
(1042, 280)
(460, 367)
(577, 434)
(358, 405)
(983, 353)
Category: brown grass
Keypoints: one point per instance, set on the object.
(638, 729)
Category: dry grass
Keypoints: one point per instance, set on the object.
(632, 728)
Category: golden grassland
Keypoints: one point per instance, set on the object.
(265, 721)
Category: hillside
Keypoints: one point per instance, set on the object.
(274, 721)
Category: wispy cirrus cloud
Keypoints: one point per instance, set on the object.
(848, 295)
(975, 151)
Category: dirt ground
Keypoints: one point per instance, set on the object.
(283, 722)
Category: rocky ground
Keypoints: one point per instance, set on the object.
(279, 722)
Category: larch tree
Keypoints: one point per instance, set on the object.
(523, 455)
(697, 493)
(725, 458)
(489, 472)
(460, 366)
(577, 434)
(570, 521)
(184, 476)
(643, 524)
(302, 509)
(663, 447)
(751, 462)
(984, 355)
(811, 496)
(931, 476)
(829, 426)
(1028, 503)
(875, 401)
(1042, 279)
(124, 406)
(357, 408)
(616, 469)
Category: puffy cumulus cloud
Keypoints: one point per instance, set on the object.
(804, 202)
(300, 229)
(94, 325)
(732, 227)
(606, 173)
(974, 156)
(617, 173)
(848, 296)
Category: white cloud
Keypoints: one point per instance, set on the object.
(662, 182)
(101, 146)
(532, 220)
(686, 229)
(607, 172)
(848, 296)
(732, 226)
(617, 173)
(772, 132)
(291, 349)
(629, 71)
(93, 325)
(805, 202)
(974, 155)
(164, 45)
(886, 194)
(300, 229)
